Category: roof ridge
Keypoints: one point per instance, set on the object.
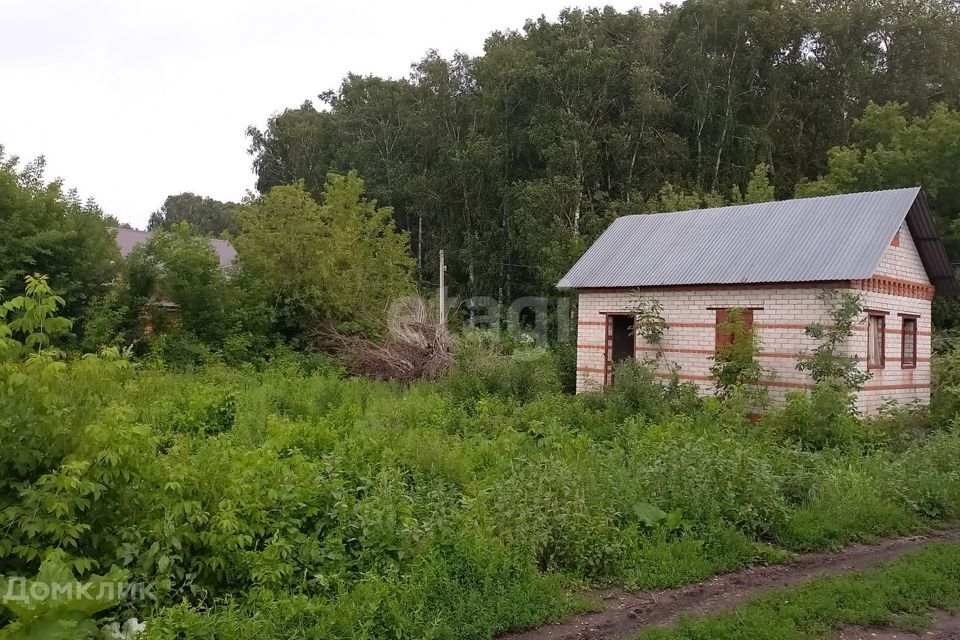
(769, 202)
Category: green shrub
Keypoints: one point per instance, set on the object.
(636, 391)
(945, 400)
(825, 417)
(180, 350)
(482, 369)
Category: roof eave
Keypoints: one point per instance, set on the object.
(929, 245)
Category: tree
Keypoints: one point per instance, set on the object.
(211, 217)
(827, 363)
(891, 150)
(333, 265)
(759, 188)
(172, 282)
(43, 229)
(186, 271)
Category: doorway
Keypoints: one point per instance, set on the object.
(620, 344)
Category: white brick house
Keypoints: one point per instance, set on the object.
(773, 259)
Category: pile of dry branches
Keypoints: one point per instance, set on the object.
(415, 347)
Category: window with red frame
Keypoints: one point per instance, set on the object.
(908, 343)
(876, 340)
(722, 335)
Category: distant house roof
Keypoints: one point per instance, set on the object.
(129, 239)
(824, 239)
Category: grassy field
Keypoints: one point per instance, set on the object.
(289, 502)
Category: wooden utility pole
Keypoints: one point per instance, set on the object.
(443, 291)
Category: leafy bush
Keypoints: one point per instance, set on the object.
(637, 391)
(180, 350)
(825, 417)
(482, 368)
(736, 363)
(826, 362)
(945, 401)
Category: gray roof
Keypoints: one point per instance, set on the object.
(821, 239)
(129, 239)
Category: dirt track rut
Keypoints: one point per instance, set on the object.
(623, 614)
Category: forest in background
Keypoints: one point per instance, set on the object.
(515, 160)
(512, 162)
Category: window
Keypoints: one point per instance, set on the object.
(908, 343)
(725, 337)
(876, 339)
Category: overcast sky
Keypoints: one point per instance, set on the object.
(132, 100)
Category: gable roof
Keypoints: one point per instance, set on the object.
(129, 239)
(822, 239)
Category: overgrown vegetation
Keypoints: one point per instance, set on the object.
(736, 364)
(287, 501)
(828, 362)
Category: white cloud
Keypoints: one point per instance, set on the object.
(131, 101)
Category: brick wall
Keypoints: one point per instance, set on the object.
(902, 263)
(901, 259)
(780, 316)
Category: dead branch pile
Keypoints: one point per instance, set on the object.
(415, 347)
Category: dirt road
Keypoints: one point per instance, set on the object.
(624, 614)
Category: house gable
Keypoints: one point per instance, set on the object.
(901, 260)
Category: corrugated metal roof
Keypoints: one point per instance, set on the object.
(129, 239)
(806, 240)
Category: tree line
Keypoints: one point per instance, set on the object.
(514, 160)
(307, 267)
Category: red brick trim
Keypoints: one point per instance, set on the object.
(775, 325)
(863, 327)
(691, 325)
(895, 287)
(710, 325)
(710, 352)
(589, 370)
(877, 284)
(756, 325)
(796, 385)
(894, 387)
